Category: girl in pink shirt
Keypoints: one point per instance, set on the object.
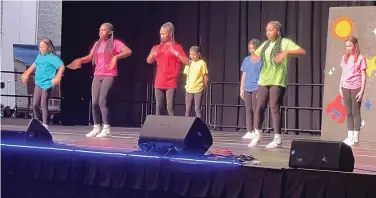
(104, 55)
(352, 85)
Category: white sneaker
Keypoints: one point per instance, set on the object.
(255, 140)
(349, 141)
(45, 126)
(249, 135)
(106, 132)
(276, 143)
(96, 130)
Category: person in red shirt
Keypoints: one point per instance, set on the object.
(169, 56)
(104, 55)
(351, 88)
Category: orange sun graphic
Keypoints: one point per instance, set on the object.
(342, 28)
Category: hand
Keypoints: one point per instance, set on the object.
(340, 92)
(55, 81)
(154, 52)
(242, 94)
(359, 96)
(172, 49)
(280, 57)
(24, 78)
(113, 62)
(76, 64)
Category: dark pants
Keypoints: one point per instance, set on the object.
(197, 97)
(352, 108)
(273, 94)
(40, 101)
(160, 95)
(99, 90)
(250, 107)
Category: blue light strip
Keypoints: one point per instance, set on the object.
(119, 154)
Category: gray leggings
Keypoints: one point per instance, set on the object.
(250, 107)
(197, 97)
(99, 90)
(352, 108)
(40, 100)
(160, 100)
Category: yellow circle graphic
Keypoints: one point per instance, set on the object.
(342, 28)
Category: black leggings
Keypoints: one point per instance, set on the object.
(352, 108)
(40, 100)
(99, 90)
(197, 97)
(275, 95)
(160, 95)
(250, 108)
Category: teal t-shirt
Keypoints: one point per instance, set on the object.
(46, 66)
(272, 73)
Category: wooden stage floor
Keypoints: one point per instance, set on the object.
(125, 139)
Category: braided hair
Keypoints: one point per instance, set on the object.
(171, 30)
(108, 50)
(278, 44)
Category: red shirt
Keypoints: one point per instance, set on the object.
(168, 66)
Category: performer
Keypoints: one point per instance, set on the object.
(197, 80)
(104, 55)
(274, 54)
(169, 55)
(351, 89)
(250, 68)
(45, 66)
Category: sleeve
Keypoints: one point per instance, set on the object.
(290, 45)
(92, 48)
(118, 46)
(242, 68)
(204, 68)
(36, 60)
(363, 64)
(186, 70)
(259, 49)
(58, 62)
(180, 49)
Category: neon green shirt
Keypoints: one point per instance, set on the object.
(272, 73)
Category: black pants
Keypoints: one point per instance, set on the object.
(40, 101)
(352, 108)
(273, 94)
(160, 95)
(99, 90)
(197, 97)
(250, 107)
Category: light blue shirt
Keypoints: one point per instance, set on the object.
(252, 73)
(46, 66)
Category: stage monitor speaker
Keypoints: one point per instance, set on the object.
(321, 155)
(35, 134)
(188, 135)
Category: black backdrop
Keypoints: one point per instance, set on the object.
(222, 29)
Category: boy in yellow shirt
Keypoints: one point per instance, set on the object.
(197, 79)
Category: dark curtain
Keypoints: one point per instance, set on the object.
(222, 29)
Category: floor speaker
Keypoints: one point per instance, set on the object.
(321, 155)
(163, 134)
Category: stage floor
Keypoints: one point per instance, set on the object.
(125, 139)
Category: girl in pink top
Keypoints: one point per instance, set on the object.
(352, 85)
(104, 55)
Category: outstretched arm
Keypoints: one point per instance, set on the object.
(298, 52)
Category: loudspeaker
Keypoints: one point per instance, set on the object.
(322, 155)
(162, 134)
(35, 134)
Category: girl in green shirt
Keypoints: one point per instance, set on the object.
(274, 54)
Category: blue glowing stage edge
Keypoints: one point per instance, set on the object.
(122, 154)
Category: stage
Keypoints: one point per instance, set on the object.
(67, 173)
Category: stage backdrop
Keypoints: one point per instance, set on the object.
(343, 22)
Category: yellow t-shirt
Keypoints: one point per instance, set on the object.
(195, 76)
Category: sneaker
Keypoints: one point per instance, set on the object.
(249, 135)
(274, 144)
(106, 132)
(349, 141)
(45, 126)
(255, 140)
(96, 130)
